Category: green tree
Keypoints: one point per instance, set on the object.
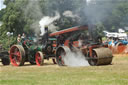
(118, 17)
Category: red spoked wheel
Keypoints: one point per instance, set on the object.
(92, 59)
(39, 58)
(17, 55)
(60, 53)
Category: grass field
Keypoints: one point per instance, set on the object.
(115, 74)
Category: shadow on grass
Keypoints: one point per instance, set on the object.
(45, 64)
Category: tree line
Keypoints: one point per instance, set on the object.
(23, 16)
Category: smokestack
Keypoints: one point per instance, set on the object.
(90, 29)
(46, 29)
(46, 32)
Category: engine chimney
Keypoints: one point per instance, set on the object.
(46, 32)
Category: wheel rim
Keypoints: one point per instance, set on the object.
(15, 56)
(93, 61)
(39, 59)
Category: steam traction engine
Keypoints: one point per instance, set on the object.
(54, 45)
(30, 51)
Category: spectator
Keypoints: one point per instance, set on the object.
(23, 36)
(112, 44)
(19, 38)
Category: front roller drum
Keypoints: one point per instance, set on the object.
(17, 55)
(100, 56)
(39, 58)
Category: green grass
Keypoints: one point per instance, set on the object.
(115, 74)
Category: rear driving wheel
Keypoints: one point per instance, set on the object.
(17, 55)
(39, 58)
(92, 59)
(59, 56)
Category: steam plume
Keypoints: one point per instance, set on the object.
(69, 13)
(46, 20)
(74, 59)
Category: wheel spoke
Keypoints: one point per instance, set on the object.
(13, 60)
(18, 58)
(18, 53)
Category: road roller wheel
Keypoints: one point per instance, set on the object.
(17, 55)
(54, 61)
(100, 56)
(39, 58)
(59, 56)
(93, 59)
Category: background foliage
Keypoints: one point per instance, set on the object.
(24, 15)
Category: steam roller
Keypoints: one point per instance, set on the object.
(100, 56)
(95, 57)
(80, 39)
